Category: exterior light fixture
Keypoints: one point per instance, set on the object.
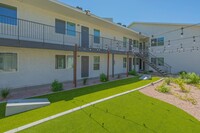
(182, 32)
(194, 41)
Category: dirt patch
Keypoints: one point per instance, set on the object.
(189, 102)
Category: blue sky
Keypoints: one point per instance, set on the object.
(127, 11)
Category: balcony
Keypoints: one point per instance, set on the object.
(24, 33)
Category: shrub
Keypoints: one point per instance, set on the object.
(56, 86)
(5, 92)
(85, 81)
(103, 78)
(183, 75)
(163, 88)
(180, 82)
(181, 72)
(193, 78)
(133, 72)
(167, 81)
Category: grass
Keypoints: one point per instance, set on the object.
(63, 101)
(131, 113)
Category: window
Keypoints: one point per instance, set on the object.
(60, 26)
(124, 62)
(160, 61)
(161, 41)
(8, 14)
(157, 41)
(60, 62)
(154, 42)
(8, 62)
(71, 29)
(96, 63)
(124, 42)
(70, 61)
(96, 36)
(153, 60)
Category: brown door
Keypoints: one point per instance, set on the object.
(84, 66)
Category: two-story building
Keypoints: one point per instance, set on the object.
(38, 40)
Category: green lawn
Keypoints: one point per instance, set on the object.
(63, 101)
(131, 113)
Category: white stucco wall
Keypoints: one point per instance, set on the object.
(188, 60)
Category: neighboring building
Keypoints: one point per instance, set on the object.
(38, 37)
(173, 45)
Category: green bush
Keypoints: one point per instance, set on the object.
(103, 78)
(167, 81)
(5, 92)
(163, 88)
(56, 86)
(85, 81)
(183, 75)
(133, 72)
(181, 84)
(193, 78)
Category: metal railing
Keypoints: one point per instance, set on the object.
(145, 54)
(15, 28)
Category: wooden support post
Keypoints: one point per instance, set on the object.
(113, 65)
(127, 62)
(75, 65)
(108, 63)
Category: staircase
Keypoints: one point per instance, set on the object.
(164, 70)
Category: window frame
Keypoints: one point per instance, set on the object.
(125, 42)
(96, 63)
(72, 66)
(11, 20)
(58, 26)
(97, 37)
(71, 32)
(160, 41)
(17, 63)
(124, 62)
(57, 63)
(162, 60)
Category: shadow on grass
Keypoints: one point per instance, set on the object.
(71, 94)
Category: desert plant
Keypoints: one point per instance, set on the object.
(183, 75)
(163, 88)
(85, 81)
(167, 81)
(181, 85)
(56, 86)
(133, 72)
(192, 78)
(103, 78)
(5, 92)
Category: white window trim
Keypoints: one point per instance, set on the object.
(17, 62)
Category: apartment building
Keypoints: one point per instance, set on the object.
(176, 45)
(44, 40)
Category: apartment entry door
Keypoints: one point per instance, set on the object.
(130, 64)
(84, 37)
(84, 66)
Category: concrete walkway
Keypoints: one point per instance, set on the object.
(28, 92)
(75, 109)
